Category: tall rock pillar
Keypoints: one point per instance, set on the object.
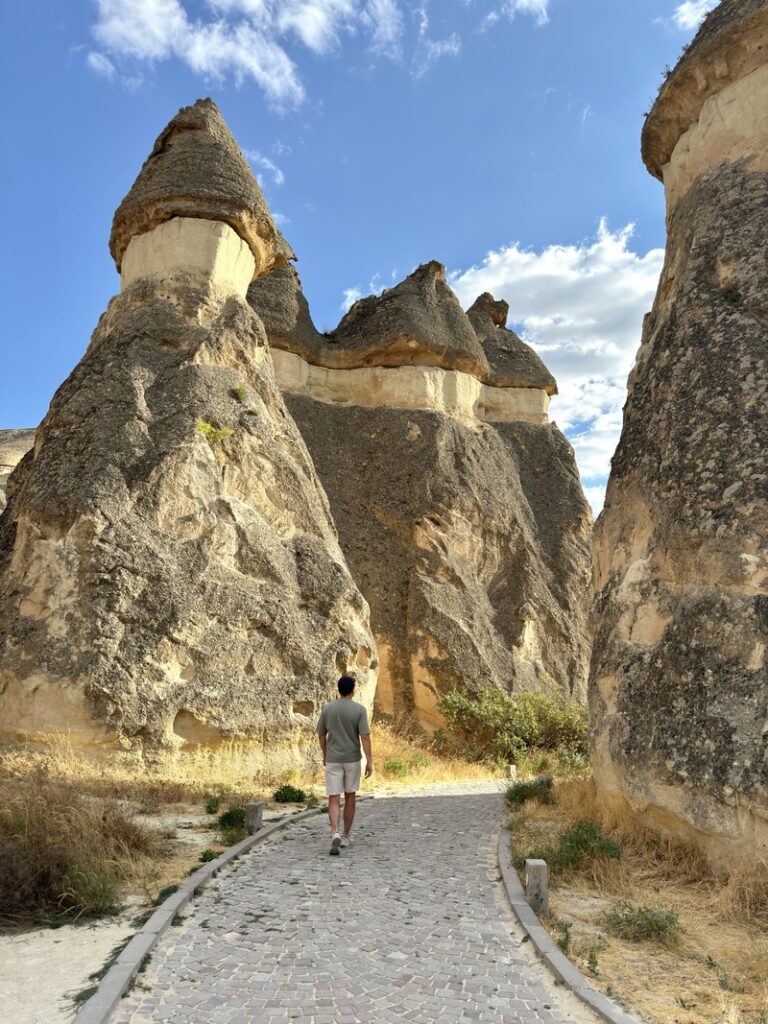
(679, 677)
(169, 570)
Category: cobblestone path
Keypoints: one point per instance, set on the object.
(409, 924)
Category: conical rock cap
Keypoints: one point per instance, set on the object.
(196, 169)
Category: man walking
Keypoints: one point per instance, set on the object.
(342, 726)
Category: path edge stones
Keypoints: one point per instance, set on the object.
(545, 945)
(118, 978)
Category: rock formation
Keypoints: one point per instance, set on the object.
(679, 681)
(169, 569)
(458, 505)
(14, 445)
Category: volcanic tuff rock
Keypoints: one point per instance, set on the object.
(169, 569)
(458, 506)
(679, 681)
(14, 445)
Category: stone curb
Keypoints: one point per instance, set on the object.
(545, 945)
(118, 978)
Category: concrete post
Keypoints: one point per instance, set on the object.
(253, 813)
(537, 886)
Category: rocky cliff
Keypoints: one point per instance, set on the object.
(679, 681)
(169, 569)
(14, 445)
(458, 504)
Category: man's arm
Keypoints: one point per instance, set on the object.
(322, 733)
(366, 741)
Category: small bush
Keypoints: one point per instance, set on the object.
(164, 893)
(581, 843)
(396, 766)
(288, 794)
(212, 804)
(539, 789)
(213, 435)
(208, 855)
(419, 761)
(239, 393)
(642, 924)
(499, 726)
(233, 818)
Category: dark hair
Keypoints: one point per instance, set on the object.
(346, 685)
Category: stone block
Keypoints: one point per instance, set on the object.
(253, 816)
(537, 886)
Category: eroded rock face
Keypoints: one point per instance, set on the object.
(458, 506)
(14, 445)
(679, 682)
(169, 569)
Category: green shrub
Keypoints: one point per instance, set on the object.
(239, 393)
(212, 804)
(163, 895)
(539, 789)
(396, 766)
(498, 726)
(642, 924)
(288, 794)
(581, 843)
(418, 761)
(208, 854)
(213, 435)
(233, 818)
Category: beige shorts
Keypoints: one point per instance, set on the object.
(342, 778)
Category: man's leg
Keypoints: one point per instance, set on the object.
(349, 812)
(334, 810)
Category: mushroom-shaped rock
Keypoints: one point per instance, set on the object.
(679, 677)
(712, 106)
(196, 170)
(170, 574)
(512, 363)
(419, 321)
(284, 311)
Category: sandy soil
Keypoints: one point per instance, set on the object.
(41, 970)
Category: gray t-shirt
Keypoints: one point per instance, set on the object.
(343, 721)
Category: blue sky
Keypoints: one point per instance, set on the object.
(498, 136)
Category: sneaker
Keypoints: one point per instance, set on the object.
(346, 841)
(335, 844)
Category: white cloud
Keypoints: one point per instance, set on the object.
(101, 64)
(429, 50)
(249, 39)
(690, 13)
(351, 295)
(259, 160)
(242, 38)
(317, 23)
(385, 19)
(539, 9)
(581, 307)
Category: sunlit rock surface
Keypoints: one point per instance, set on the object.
(679, 681)
(458, 505)
(169, 570)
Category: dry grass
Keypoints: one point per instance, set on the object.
(69, 840)
(63, 852)
(717, 968)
